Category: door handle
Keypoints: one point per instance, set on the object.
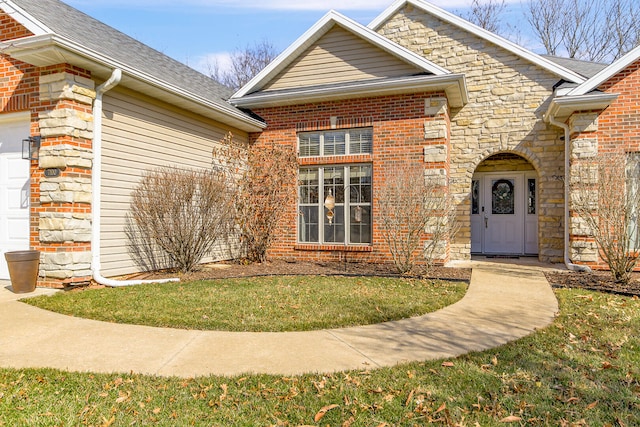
(486, 222)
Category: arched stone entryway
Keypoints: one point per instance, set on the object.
(504, 206)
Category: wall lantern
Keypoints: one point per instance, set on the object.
(31, 148)
(330, 203)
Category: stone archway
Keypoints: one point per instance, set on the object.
(504, 206)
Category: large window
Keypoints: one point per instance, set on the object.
(633, 186)
(335, 143)
(349, 222)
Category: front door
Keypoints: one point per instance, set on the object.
(504, 218)
(14, 187)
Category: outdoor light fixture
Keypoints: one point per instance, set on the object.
(31, 148)
(330, 203)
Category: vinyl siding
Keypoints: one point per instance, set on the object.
(140, 134)
(338, 57)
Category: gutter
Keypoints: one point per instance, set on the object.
(96, 177)
(567, 164)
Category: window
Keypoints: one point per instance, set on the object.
(633, 186)
(351, 221)
(335, 143)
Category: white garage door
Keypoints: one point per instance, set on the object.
(14, 187)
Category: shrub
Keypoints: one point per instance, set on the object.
(416, 217)
(602, 196)
(179, 215)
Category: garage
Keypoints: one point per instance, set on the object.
(14, 187)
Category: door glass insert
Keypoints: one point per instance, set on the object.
(531, 202)
(475, 197)
(502, 197)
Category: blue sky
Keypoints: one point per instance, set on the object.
(198, 31)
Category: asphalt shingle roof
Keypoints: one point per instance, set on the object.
(584, 68)
(75, 25)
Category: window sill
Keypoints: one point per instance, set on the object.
(336, 247)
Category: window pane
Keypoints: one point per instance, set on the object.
(360, 228)
(360, 141)
(308, 224)
(334, 183)
(360, 184)
(334, 143)
(309, 185)
(334, 231)
(309, 144)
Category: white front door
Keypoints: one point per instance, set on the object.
(14, 187)
(504, 216)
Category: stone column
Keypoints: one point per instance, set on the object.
(64, 226)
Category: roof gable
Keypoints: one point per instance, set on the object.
(609, 72)
(325, 30)
(452, 19)
(340, 56)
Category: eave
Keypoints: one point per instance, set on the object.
(453, 85)
(561, 108)
(52, 49)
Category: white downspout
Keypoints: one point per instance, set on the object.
(567, 166)
(96, 177)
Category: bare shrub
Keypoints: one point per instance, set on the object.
(183, 212)
(417, 218)
(264, 186)
(602, 196)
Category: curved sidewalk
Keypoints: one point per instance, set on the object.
(504, 302)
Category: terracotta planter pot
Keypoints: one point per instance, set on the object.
(23, 270)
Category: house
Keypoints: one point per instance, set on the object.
(101, 109)
(484, 117)
(500, 128)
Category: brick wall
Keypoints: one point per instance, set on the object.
(59, 99)
(402, 132)
(616, 129)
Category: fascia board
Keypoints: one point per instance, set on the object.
(453, 84)
(319, 29)
(60, 48)
(480, 32)
(20, 15)
(614, 68)
(563, 106)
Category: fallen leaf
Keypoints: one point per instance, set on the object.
(107, 423)
(448, 364)
(441, 408)
(322, 412)
(511, 419)
(156, 411)
(592, 405)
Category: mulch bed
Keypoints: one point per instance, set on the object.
(238, 269)
(597, 281)
(600, 281)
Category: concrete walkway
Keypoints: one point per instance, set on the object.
(504, 302)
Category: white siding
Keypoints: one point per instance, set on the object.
(139, 135)
(338, 57)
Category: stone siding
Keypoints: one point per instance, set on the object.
(507, 97)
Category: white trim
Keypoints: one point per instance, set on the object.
(608, 72)
(562, 107)
(320, 28)
(25, 19)
(60, 47)
(453, 84)
(480, 32)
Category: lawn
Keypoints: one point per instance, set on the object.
(260, 304)
(584, 370)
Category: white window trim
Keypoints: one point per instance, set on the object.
(347, 142)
